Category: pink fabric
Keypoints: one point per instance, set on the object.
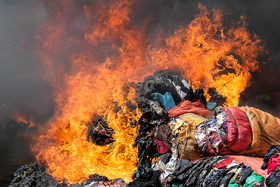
(272, 163)
(190, 107)
(161, 146)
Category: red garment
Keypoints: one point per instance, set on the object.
(223, 163)
(189, 107)
(254, 162)
(161, 146)
(239, 135)
(273, 162)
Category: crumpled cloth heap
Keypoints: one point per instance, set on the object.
(272, 164)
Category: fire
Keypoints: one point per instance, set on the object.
(209, 55)
(88, 81)
(20, 118)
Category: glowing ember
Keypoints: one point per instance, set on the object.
(87, 83)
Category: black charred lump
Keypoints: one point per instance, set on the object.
(100, 133)
(32, 175)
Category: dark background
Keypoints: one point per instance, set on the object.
(23, 88)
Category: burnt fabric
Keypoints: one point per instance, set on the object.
(206, 170)
(32, 175)
(268, 154)
(100, 133)
(272, 164)
(152, 180)
(198, 95)
(183, 88)
(165, 100)
(189, 107)
(273, 180)
(148, 122)
(245, 173)
(215, 100)
(213, 177)
(186, 175)
(193, 173)
(211, 172)
(158, 83)
(161, 83)
(35, 175)
(231, 172)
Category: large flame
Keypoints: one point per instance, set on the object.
(205, 49)
(88, 60)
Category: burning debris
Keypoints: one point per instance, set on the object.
(35, 175)
(146, 130)
(100, 133)
(32, 175)
(172, 133)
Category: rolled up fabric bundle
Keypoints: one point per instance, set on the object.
(243, 130)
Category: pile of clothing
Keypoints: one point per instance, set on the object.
(32, 175)
(272, 164)
(176, 126)
(213, 171)
(35, 175)
(162, 97)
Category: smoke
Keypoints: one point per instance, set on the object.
(24, 89)
(262, 19)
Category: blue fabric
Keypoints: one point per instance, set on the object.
(18, 170)
(166, 100)
(211, 105)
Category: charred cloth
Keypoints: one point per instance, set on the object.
(100, 133)
(175, 124)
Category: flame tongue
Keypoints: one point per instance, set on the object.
(204, 50)
(92, 84)
(93, 87)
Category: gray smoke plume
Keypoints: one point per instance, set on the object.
(22, 87)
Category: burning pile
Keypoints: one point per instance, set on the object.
(90, 84)
(170, 111)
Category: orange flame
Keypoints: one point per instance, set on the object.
(20, 118)
(205, 49)
(94, 84)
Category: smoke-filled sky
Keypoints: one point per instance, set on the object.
(23, 88)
